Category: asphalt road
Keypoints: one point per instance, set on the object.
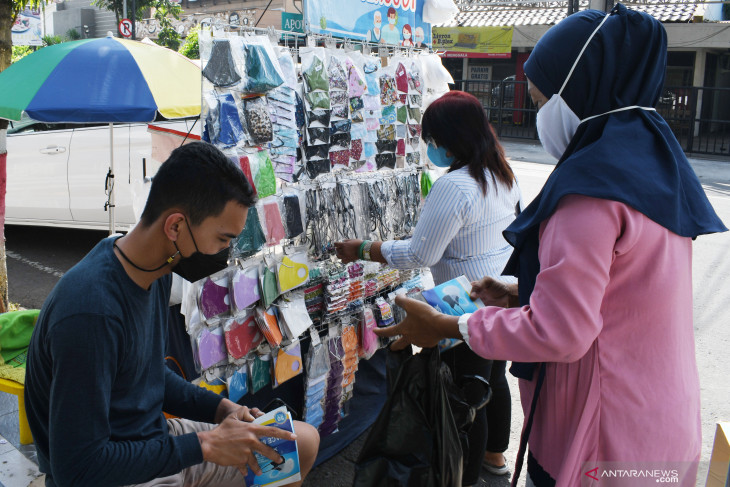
(37, 257)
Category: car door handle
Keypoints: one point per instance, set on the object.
(53, 149)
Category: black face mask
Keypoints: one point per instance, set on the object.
(199, 265)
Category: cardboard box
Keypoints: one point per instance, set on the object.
(719, 474)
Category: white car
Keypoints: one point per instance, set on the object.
(56, 173)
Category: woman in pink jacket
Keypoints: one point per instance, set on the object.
(599, 327)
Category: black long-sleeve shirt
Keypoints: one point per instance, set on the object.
(96, 381)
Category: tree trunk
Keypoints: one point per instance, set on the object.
(7, 17)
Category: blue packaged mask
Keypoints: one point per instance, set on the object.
(438, 156)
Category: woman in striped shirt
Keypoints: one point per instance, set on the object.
(459, 233)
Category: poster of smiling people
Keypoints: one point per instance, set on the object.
(394, 22)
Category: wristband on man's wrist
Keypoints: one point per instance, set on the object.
(359, 250)
(366, 249)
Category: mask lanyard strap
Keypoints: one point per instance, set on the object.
(580, 54)
(648, 109)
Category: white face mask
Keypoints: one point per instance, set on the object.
(557, 123)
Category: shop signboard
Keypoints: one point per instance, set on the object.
(27, 30)
(292, 22)
(393, 22)
(474, 42)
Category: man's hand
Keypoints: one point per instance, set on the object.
(347, 250)
(423, 325)
(234, 441)
(495, 293)
(227, 408)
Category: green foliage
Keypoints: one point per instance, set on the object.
(165, 11)
(51, 40)
(117, 6)
(73, 35)
(19, 52)
(191, 47)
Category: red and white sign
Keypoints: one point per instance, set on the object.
(125, 28)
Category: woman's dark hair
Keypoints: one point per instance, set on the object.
(198, 179)
(457, 121)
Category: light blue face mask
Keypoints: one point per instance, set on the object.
(438, 156)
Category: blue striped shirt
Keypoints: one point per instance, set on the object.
(460, 229)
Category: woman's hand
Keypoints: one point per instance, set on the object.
(347, 251)
(423, 325)
(495, 293)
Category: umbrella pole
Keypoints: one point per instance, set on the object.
(110, 181)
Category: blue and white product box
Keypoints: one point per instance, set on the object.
(452, 298)
(276, 474)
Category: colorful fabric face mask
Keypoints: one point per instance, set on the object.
(274, 227)
(356, 103)
(317, 167)
(340, 141)
(371, 69)
(386, 145)
(388, 93)
(315, 76)
(237, 383)
(261, 75)
(388, 116)
(211, 347)
(340, 127)
(252, 238)
(318, 136)
(220, 68)
(386, 132)
(314, 152)
(317, 361)
(231, 130)
(413, 159)
(260, 372)
(292, 274)
(341, 111)
(287, 363)
(269, 325)
(214, 299)
(386, 160)
(318, 99)
(292, 216)
(356, 83)
(414, 129)
(356, 150)
(269, 289)
(341, 157)
(319, 118)
(245, 288)
(401, 78)
(337, 77)
(402, 114)
(258, 120)
(242, 335)
(263, 173)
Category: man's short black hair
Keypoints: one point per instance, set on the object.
(200, 180)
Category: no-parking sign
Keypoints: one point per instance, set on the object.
(125, 27)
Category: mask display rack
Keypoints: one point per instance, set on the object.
(330, 138)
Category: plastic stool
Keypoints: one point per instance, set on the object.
(12, 387)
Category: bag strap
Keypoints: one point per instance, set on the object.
(528, 426)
